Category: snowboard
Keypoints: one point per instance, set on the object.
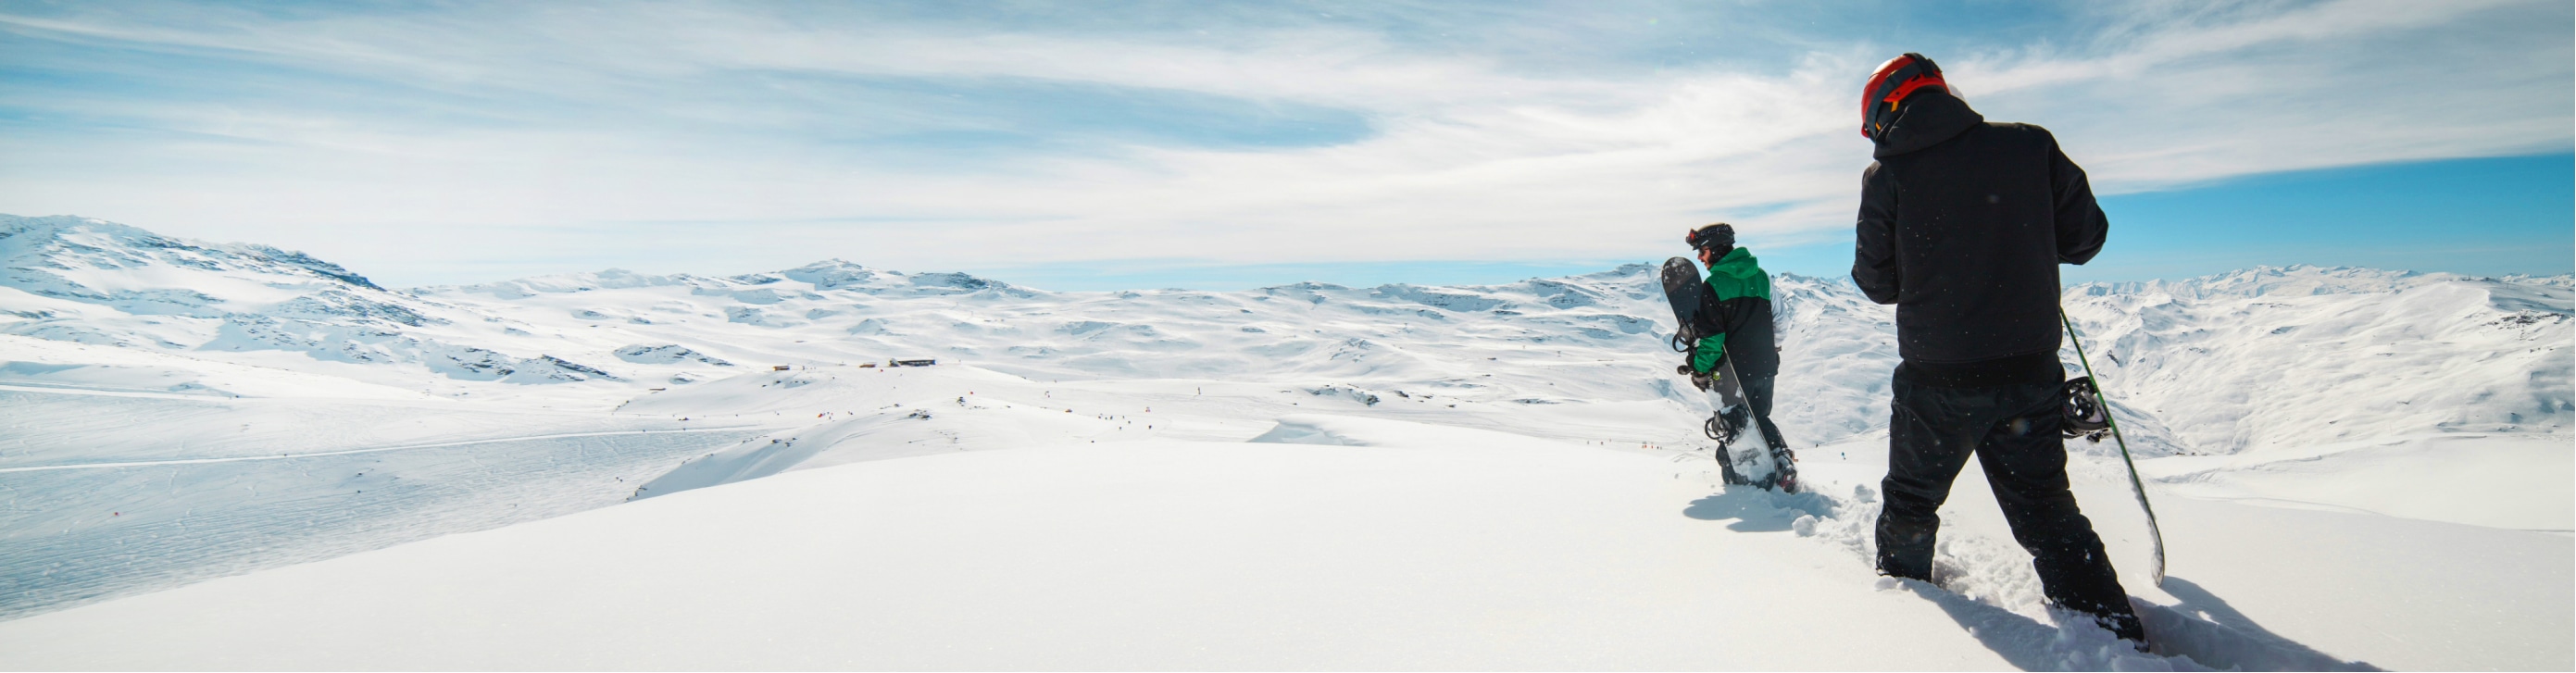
(1745, 454)
(2138, 487)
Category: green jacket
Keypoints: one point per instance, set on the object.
(1744, 297)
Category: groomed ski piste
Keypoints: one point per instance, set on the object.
(223, 456)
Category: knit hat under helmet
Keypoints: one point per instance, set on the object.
(1895, 79)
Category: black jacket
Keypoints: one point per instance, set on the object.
(1746, 322)
(1962, 225)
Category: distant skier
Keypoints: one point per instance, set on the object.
(1962, 225)
(1744, 315)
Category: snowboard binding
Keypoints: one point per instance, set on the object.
(1727, 427)
(1722, 429)
(2085, 417)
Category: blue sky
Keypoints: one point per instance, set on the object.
(1229, 145)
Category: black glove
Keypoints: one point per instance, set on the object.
(1699, 379)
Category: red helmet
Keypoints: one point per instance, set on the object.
(1895, 80)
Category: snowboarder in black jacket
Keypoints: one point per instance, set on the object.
(1962, 225)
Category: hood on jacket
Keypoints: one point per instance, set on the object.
(1738, 263)
(1927, 118)
(1738, 274)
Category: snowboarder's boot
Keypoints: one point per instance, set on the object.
(1905, 545)
(2126, 625)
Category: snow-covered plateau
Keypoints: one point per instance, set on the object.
(224, 456)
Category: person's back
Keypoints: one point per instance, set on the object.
(1743, 292)
(1977, 222)
(1962, 224)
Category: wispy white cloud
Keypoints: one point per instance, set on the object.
(2177, 97)
(709, 137)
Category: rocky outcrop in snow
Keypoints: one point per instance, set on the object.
(666, 354)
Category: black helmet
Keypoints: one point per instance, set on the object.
(1720, 236)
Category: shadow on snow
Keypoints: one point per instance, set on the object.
(2202, 632)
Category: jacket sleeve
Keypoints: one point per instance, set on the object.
(1711, 347)
(2081, 226)
(1874, 261)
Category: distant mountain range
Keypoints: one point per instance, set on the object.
(2218, 364)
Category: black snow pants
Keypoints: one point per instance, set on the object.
(2013, 430)
(1757, 394)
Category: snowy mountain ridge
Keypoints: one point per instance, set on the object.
(2301, 279)
(2419, 352)
(830, 274)
(103, 262)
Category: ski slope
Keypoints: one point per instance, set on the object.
(279, 464)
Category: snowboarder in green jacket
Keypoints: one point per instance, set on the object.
(1743, 312)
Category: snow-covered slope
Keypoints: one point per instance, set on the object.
(1369, 544)
(2291, 357)
(179, 410)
